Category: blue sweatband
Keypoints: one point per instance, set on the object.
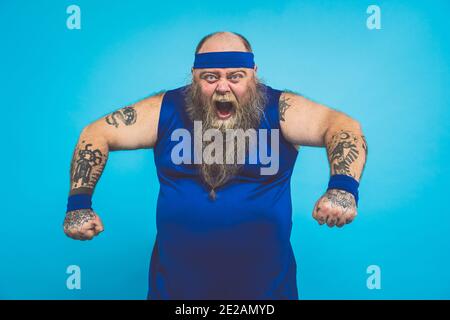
(79, 201)
(346, 183)
(226, 59)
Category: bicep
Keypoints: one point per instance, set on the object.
(302, 121)
(132, 127)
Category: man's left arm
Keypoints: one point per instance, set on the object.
(304, 122)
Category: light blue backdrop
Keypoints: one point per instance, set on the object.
(395, 81)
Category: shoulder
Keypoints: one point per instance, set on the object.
(152, 101)
(284, 98)
(289, 98)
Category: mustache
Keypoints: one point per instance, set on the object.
(229, 97)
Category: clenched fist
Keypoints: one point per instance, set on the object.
(335, 208)
(82, 224)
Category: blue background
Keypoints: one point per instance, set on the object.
(395, 81)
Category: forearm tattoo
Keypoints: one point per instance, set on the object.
(344, 150)
(364, 145)
(126, 116)
(87, 166)
(282, 107)
(77, 218)
(341, 199)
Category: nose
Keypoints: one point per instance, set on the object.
(222, 87)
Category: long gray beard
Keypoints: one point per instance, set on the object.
(247, 116)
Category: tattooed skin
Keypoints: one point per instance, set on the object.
(87, 166)
(126, 115)
(341, 199)
(364, 145)
(283, 106)
(343, 151)
(77, 218)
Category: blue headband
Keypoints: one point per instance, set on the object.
(226, 59)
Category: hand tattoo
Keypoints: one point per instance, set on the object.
(341, 199)
(77, 218)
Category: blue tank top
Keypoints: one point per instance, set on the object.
(234, 247)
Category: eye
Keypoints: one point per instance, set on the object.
(235, 76)
(209, 77)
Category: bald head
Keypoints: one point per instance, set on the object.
(238, 84)
(223, 41)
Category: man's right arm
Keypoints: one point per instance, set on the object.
(129, 128)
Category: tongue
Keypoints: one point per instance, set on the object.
(223, 112)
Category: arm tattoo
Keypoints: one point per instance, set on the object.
(87, 166)
(126, 115)
(341, 199)
(364, 145)
(343, 151)
(283, 106)
(77, 218)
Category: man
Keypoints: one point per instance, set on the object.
(225, 147)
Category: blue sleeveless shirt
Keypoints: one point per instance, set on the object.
(235, 247)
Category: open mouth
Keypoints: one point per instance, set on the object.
(224, 109)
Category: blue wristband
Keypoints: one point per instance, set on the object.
(79, 201)
(346, 183)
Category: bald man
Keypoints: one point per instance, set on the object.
(224, 146)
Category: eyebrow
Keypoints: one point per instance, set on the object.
(216, 73)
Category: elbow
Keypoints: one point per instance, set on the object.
(341, 122)
(92, 134)
(87, 132)
(356, 125)
(344, 122)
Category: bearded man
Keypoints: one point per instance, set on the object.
(223, 220)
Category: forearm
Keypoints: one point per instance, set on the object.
(346, 147)
(88, 161)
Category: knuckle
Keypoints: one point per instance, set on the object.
(320, 220)
(89, 234)
(70, 233)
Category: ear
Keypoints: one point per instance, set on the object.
(192, 70)
(256, 68)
